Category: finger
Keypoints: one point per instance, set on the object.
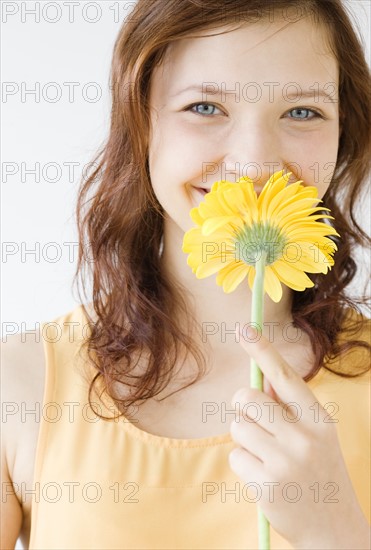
(267, 388)
(255, 406)
(246, 466)
(285, 382)
(253, 438)
(289, 411)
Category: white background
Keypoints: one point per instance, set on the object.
(37, 213)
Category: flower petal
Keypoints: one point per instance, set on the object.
(272, 284)
(213, 265)
(290, 276)
(231, 276)
(213, 224)
(289, 216)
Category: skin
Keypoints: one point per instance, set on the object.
(230, 134)
(282, 451)
(238, 137)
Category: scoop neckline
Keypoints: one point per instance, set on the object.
(208, 441)
(164, 441)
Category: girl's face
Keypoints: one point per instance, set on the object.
(245, 103)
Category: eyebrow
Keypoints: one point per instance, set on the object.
(205, 89)
(199, 88)
(317, 93)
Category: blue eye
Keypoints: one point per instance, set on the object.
(204, 109)
(303, 114)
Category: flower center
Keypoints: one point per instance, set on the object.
(252, 240)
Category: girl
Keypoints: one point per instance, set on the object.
(149, 436)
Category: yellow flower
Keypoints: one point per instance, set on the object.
(235, 226)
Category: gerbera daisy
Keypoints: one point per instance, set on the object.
(236, 228)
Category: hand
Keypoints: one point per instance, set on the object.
(293, 459)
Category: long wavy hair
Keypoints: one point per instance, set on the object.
(121, 222)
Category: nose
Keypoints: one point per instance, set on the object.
(253, 151)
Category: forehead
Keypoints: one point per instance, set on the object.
(261, 52)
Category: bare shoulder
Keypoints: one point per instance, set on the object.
(22, 388)
(22, 368)
(22, 378)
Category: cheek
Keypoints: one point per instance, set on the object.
(316, 160)
(324, 164)
(160, 153)
(166, 167)
(180, 153)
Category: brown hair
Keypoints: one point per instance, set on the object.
(121, 221)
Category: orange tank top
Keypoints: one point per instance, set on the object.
(106, 484)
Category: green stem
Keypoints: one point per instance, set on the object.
(264, 531)
(257, 316)
(256, 375)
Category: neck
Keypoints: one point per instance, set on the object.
(218, 314)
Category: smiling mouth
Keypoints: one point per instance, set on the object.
(204, 190)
